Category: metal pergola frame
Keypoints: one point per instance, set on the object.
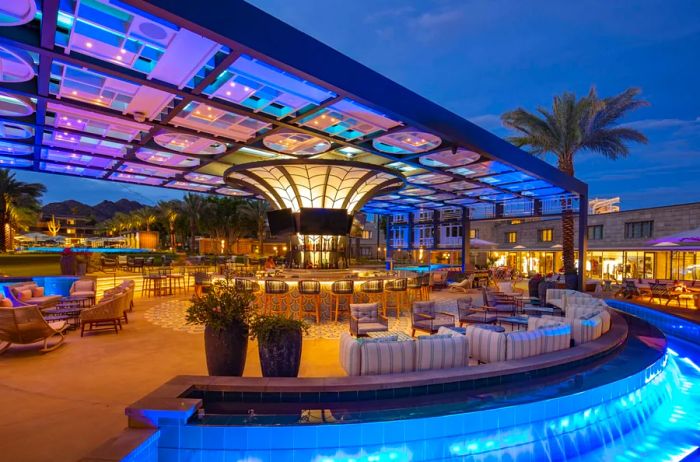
(244, 28)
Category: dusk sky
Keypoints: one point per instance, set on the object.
(481, 58)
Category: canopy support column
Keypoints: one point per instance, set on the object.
(466, 244)
(582, 240)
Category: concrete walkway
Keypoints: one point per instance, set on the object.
(60, 405)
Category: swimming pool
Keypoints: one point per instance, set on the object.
(639, 404)
(86, 250)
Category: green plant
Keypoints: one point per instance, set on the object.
(221, 307)
(263, 327)
(575, 125)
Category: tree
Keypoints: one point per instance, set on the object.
(147, 216)
(255, 212)
(588, 124)
(192, 207)
(17, 199)
(168, 211)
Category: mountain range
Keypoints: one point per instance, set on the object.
(102, 211)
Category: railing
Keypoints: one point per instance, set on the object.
(450, 242)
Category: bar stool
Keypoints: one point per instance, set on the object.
(399, 288)
(374, 289)
(276, 290)
(425, 286)
(309, 288)
(413, 288)
(342, 289)
(248, 286)
(151, 284)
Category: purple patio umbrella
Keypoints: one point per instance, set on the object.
(691, 235)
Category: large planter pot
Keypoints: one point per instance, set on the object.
(280, 353)
(226, 350)
(571, 280)
(68, 265)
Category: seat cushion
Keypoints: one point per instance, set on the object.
(555, 337)
(364, 311)
(79, 293)
(441, 352)
(586, 330)
(387, 358)
(37, 291)
(365, 327)
(24, 294)
(349, 354)
(45, 300)
(84, 285)
(58, 325)
(479, 318)
(486, 346)
(523, 344)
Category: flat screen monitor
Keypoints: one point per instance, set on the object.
(323, 221)
(281, 222)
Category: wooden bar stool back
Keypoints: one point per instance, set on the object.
(277, 291)
(310, 289)
(374, 290)
(399, 288)
(343, 289)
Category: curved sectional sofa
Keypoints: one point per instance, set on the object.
(585, 319)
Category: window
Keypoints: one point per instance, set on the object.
(366, 234)
(639, 229)
(595, 233)
(511, 237)
(545, 235)
(365, 251)
(473, 233)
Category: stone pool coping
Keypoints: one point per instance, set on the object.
(166, 404)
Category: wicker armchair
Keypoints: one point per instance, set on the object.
(25, 325)
(425, 318)
(365, 318)
(106, 315)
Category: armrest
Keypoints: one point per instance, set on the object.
(423, 315)
(445, 313)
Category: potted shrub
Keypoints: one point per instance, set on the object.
(279, 344)
(68, 262)
(225, 313)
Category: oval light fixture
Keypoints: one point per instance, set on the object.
(299, 144)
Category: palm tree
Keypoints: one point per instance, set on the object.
(573, 125)
(256, 213)
(168, 211)
(147, 217)
(192, 207)
(16, 198)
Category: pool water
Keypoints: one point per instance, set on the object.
(640, 404)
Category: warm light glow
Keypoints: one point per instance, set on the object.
(88, 44)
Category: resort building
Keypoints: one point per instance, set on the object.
(621, 244)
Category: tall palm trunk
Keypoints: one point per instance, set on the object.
(172, 235)
(567, 221)
(4, 220)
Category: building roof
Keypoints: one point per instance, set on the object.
(174, 94)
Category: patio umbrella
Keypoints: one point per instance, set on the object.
(666, 244)
(36, 236)
(557, 246)
(476, 242)
(691, 235)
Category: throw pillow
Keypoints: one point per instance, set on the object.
(25, 294)
(37, 291)
(433, 337)
(590, 315)
(389, 338)
(6, 303)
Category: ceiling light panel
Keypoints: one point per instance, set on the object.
(91, 87)
(265, 88)
(202, 117)
(349, 120)
(70, 118)
(123, 35)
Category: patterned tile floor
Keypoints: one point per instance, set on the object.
(170, 314)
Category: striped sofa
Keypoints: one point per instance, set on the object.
(379, 357)
(487, 346)
(556, 335)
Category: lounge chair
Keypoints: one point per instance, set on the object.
(106, 315)
(30, 294)
(25, 325)
(425, 318)
(365, 318)
(468, 314)
(499, 303)
(85, 287)
(463, 286)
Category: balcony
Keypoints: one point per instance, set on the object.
(446, 242)
(424, 242)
